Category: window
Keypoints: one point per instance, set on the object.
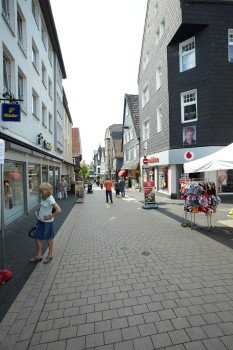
(22, 89)
(145, 130)
(230, 45)
(20, 29)
(44, 35)
(187, 55)
(50, 88)
(158, 77)
(162, 28)
(125, 139)
(145, 96)
(35, 104)
(50, 53)
(189, 106)
(35, 56)
(147, 29)
(44, 75)
(35, 11)
(50, 122)
(156, 8)
(6, 73)
(159, 119)
(146, 60)
(44, 115)
(157, 37)
(6, 9)
(131, 134)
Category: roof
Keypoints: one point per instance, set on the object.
(115, 127)
(117, 148)
(76, 142)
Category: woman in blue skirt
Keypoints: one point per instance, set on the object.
(49, 209)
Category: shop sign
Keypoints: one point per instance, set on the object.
(10, 112)
(188, 155)
(153, 160)
(149, 192)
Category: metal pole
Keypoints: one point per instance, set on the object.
(2, 217)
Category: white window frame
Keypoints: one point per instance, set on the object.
(50, 123)
(159, 116)
(44, 115)
(35, 104)
(145, 95)
(158, 77)
(35, 11)
(146, 60)
(230, 45)
(35, 56)
(6, 73)
(162, 28)
(22, 89)
(145, 130)
(131, 134)
(188, 98)
(50, 87)
(157, 36)
(187, 47)
(44, 75)
(44, 35)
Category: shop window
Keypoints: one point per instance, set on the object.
(33, 185)
(187, 54)
(13, 191)
(163, 178)
(189, 106)
(230, 45)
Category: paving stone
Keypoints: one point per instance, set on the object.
(114, 336)
(147, 329)
(178, 336)
(143, 343)
(196, 333)
(214, 344)
(228, 341)
(161, 340)
(195, 345)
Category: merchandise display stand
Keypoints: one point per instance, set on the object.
(200, 197)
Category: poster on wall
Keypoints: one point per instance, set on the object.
(79, 191)
(189, 135)
(149, 192)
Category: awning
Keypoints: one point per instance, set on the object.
(122, 173)
(132, 164)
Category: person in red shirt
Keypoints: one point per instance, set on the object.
(108, 187)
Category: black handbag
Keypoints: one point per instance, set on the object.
(31, 232)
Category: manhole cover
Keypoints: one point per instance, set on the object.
(145, 253)
(124, 248)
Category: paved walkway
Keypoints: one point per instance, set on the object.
(126, 278)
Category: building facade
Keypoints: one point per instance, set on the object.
(185, 87)
(31, 70)
(113, 151)
(130, 140)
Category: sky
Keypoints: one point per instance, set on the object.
(101, 44)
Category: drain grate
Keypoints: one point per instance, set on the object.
(145, 253)
(124, 247)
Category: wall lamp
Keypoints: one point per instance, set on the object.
(8, 96)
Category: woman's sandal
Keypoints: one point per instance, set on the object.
(47, 260)
(35, 259)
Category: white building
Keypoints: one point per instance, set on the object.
(32, 70)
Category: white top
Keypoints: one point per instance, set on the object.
(46, 207)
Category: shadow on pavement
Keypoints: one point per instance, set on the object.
(19, 248)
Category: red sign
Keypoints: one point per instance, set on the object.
(145, 161)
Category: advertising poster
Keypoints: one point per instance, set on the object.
(149, 192)
(79, 191)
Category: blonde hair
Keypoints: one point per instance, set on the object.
(46, 188)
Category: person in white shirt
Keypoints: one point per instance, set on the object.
(49, 209)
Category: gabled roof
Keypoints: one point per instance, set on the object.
(133, 103)
(76, 142)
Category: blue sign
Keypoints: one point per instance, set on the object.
(11, 112)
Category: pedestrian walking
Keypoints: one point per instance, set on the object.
(64, 187)
(122, 187)
(117, 188)
(49, 209)
(108, 187)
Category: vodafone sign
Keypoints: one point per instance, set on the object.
(189, 155)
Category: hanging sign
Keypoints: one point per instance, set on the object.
(10, 112)
(2, 151)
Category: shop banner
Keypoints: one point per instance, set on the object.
(79, 191)
(149, 192)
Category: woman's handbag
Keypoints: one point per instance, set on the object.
(31, 232)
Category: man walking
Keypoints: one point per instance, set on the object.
(64, 187)
(108, 187)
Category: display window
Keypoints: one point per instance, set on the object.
(33, 184)
(163, 178)
(225, 181)
(13, 190)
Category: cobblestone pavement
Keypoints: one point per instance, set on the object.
(126, 278)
